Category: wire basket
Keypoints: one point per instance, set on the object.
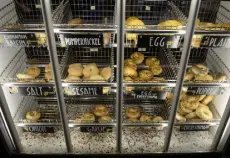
(27, 57)
(167, 61)
(49, 112)
(103, 57)
(209, 58)
(99, 13)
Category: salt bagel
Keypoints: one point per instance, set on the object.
(90, 69)
(101, 110)
(191, 115)
(130, 63)
(129, 72)
(145, 118)
(33, 70)
(152, 61)
(137, 57)
(204, 113)
(180, 117)
(200, 69)
(133, 112)
(156, 69)
(25, 76)
(145, 75)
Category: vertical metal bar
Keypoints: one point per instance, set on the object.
(221, 128)
(47, 16)
(120, 57)
(194, 8)
(10, 123)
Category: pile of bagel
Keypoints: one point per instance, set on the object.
(193, 107)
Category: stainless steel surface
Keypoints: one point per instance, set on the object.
(221, 128)
(120, 61)
(180, 77)
(46, 11)
(6, 114)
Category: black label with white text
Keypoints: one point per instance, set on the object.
(203, 91)
(71, 91)
(18, 39)
(142, 94)
(215, 41)
(39, 129)
(158, 41)
(33, 91)
(96, 129)
(194, 128)
(80, 40)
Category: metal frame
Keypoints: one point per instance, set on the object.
(46, 11)
(194, 8)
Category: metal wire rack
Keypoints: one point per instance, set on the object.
(95, 14)
(168, 62)
(154, 12)
(23, 13)
(103, 57)
(77, 107)
(49, 112)
(209, 58)
(27, 57)
(151, 108)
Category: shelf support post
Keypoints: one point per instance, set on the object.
(194, 9)
(47, 16)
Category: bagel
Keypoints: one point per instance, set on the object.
(133, 112)
(145, 118)
(106, 37)
(75, 21)
(128, 79)
(191, 115)
(33, 116)
(156, 69)
(203, 105)
(129, 72)
(48, 68)
(200, 69)
(204, 113)
(49, 76)
(90, 69)
(188, 77)
(180, 117)
(145, 75)
(85, 117)
(105, 119)
(180, 111)
(157, 119)
(183, 96)
(192, 105)
(96, 78)
(203, 78)
(100, 110)
(152, 61)
(220, 77)
(71, 78)
(183, 105)
(202, 97)
(106, 73)
(25, 76)
(192, 98)
(34, 71)
(130, 63)
(76, 65)
(75, 71)
(170, 25)
(207, 99)
(137, 57)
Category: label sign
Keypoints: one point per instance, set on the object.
(203, 91)
(18, 39)
(33, 91)
(71, 91)
(158, 41)
(194, 128)
(96, 129)
(215, 41)
(82, 40)
(140, 94)
(39, 129)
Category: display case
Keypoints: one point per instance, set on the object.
(115, 77)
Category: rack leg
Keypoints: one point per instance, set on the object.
(46, 11)
(194, 8)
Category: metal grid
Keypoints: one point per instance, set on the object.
(151, 108)
(209, 58)
(25, 58)
(103, 57)
(76, 108)
(94, 13)
(49, 112)
(27, 12)
(154, 12)
(168, 62)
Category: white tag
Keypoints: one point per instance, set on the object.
(92, 7)
(37, 6)
(147, 8)
(93, 49)
(141, 49)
